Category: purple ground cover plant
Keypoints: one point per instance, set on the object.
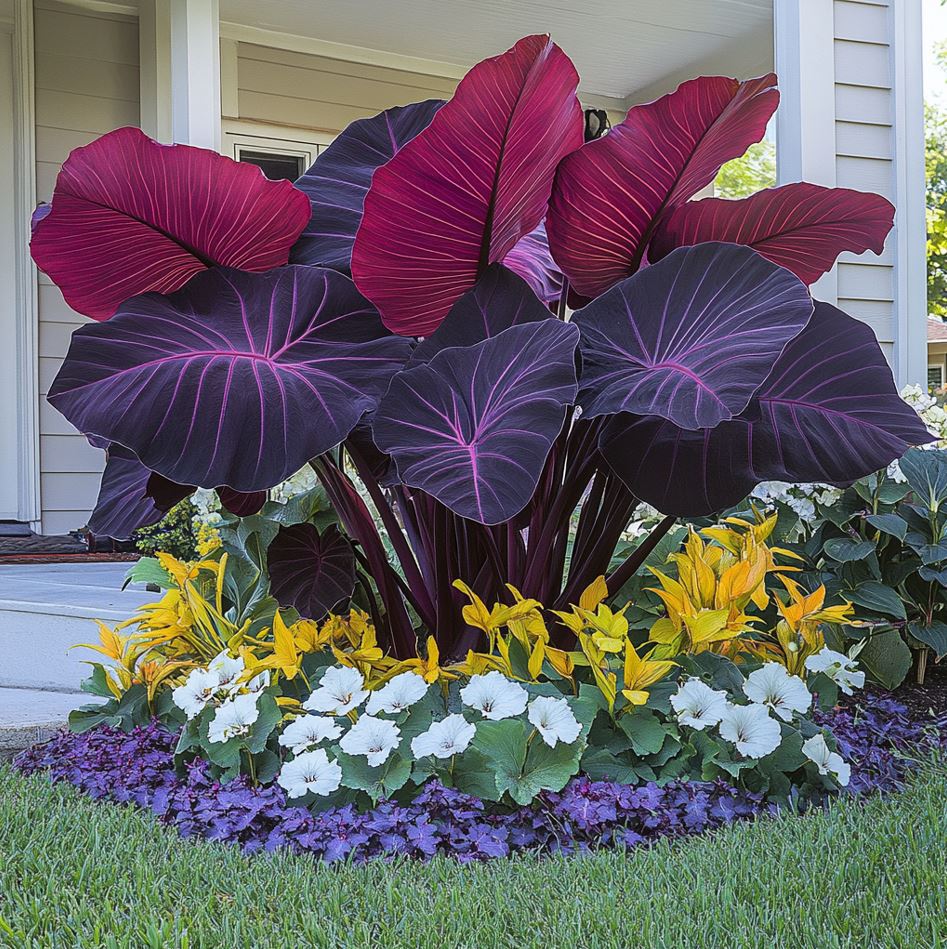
(875, 734)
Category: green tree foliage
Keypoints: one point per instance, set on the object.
(752, 172)
(935, 155)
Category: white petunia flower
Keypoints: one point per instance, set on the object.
(375, 738)
(838, 667)
(775, 688)
(751, 729)
(341, 690)
(398, 694)
(309, 730)
(828, 762)
(233, 718)
(494, 696)
(445, 738)
(698, 705)
(554, 720)
(197, 691)
(228, 670)
(311, 771)
(259, 682)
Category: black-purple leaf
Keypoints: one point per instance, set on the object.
(473, 426)
(310, 571)
(238, 379)
(498, 300)
(241, 504)
(131, 496)
(338, 180)
(690, 338)
(530, 259)
(829, 412)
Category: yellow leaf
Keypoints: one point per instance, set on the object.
(593, 594)
(635, 697)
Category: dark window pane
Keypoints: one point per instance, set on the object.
(275, 167)
(935, 377)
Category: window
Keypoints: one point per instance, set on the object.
(275, 166)
(935, 377)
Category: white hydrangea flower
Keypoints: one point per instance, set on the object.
(444, 739)
(838, 667)
(751, 729)
(199, 688)
(828, 762)
(308, 730)
(494, 696)
(233, 718)
(775, 688)
(698, 705)
(310, 771)
(342, 689)
(397, 695)
(554, 720)
(375, 738)
(228, 670)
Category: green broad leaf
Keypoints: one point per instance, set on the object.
(826, 689)
(878, 598)
(148, 570)
(266, 766)
(932, 634)
(933, 576)
(645, 731)
(600, 764)
(133, 707)
(189, 738)
(97, 683)
(788, 756)
(519, 659)
(378, 782)
(891, 524)
(260, 731)
(669, 749)
(87, 717)
(474, 775)
(931, 554)
(659, 696)
(718, 671)
(304, 507)
(224, 754)
(887, 657)
(926, 473)
(419, 718)
(846, 550)
(844, 509)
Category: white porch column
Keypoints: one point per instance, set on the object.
(805, 121)
(180, 71)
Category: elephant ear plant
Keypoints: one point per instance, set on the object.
(491, 340)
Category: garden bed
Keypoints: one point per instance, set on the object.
(877, 735)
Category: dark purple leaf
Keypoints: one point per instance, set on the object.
(829, 412)
(338, 180)
(531, 259)
(310, 571)
(238, 379)
(499, 299)
(243, 505)
(473, 426)
(690, 338)
(131, 496)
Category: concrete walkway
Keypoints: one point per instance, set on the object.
(44, 610)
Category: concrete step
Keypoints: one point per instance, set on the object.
(28, 716)
(46, 608)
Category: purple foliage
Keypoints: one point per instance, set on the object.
(139, 767)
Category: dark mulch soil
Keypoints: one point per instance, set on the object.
(929, 698)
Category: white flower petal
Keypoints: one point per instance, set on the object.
(838, 667)
(772, 686)
(826, 760)
(400, 693)
(751, 729)
(197, 691)
(340, 690)
(554, 721)
(444, 739)
(311, 771)
(233, 718)
(494, 696)
(375, 738)
(698, 705)
(308, 730)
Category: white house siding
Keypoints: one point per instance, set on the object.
(865, 152)
(86, 84)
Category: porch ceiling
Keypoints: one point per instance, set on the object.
(623, 48)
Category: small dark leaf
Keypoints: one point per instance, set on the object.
(845, 550)
(879, 598)
(887, 657)
(889, 524)
(932, 634)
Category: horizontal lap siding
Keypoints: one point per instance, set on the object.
(86, 84)
(864, 146)
(281, 87)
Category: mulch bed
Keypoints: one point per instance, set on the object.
(929, 699)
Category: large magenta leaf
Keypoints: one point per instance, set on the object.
(610, 194)
(690, 338)
(131, 496)
(129, 215)
(532, 260)
(801, 227)
(310, 571)
(498, 300)
(473, 426)
(460, 195)
(238, 379)
(338, 180)
(829, 412)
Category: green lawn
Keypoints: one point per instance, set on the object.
(75, 873)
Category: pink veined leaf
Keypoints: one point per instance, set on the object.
(802, 227)
(462, 193)
(129, 215)
(609, 195)
(531, 260)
